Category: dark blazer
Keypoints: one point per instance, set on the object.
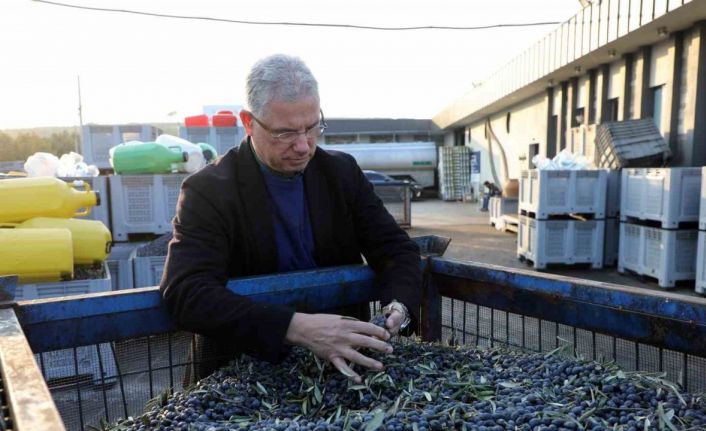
(223, 229)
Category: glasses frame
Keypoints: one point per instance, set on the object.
(278, 136)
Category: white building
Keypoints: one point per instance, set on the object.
(614, 60)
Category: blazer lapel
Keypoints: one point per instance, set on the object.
(257, 208)
(321, 211)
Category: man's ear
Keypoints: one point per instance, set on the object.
(246, 119)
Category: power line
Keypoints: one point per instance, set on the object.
(294, 24)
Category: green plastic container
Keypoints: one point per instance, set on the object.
(209, 152)
(147, 158)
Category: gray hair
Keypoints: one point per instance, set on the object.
(279, 77)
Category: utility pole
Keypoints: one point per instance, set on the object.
(80, 116)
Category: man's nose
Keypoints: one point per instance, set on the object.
(301, 145)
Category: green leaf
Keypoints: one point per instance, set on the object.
(510, 385)
(427, 395)
(261, 389)
(317, 394)
(376, 421)
(414, 426)
(357, 387)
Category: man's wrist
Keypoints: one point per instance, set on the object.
(292, 337)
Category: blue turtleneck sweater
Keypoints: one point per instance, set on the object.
(293, 234)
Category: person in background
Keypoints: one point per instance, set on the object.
(493, 190)
(277, 203)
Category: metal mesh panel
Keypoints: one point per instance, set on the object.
(467, 323)
(397, 201)
(144, 368)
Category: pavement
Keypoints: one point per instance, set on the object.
(473, 239)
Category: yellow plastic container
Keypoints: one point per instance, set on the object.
(25, 198)
(36, 255)
(91, 238)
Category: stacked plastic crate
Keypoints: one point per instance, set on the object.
(562, 217)
(221, 138)
(659, 212)
(701, 248)
(454, 172)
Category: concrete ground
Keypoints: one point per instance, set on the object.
(473, 239)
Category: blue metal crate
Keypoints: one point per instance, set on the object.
(478, 304)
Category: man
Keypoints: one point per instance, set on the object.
(493, 190)
(278, 203)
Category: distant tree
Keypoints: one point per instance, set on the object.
(25, 144)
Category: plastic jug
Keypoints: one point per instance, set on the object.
(209, 153)
(25, 198)
(196, 159)
(91, 238)
(36, 255)
(146, 158)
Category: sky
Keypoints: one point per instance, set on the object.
(140, 69)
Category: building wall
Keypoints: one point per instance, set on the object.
(527, 125)
(684, 150)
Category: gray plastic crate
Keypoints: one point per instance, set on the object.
(147, 270)
(16, 165)
(611, 243)
(667, 195)
(630, 143)
(666, 255)
(28, 291)
(702, 204)
(560, 241)
(143, 203)
(97, 140)
(701, 264)
(221, 138)
(548, 192)
(120, 264)
(612, 206)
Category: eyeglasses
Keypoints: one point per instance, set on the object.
(289, 136)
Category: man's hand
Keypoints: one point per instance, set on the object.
(336, 339)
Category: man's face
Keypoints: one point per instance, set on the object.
(281, 117)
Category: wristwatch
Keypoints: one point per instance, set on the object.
(396, 305)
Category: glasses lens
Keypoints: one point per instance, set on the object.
(288, 137)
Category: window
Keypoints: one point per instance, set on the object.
(381, 138)
(612, 109)
(657, 106)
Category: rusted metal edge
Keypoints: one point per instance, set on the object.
(8, 284)
(31, 405)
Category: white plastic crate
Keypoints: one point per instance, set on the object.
(666, 255)
(611, 242)
(148, 270)
(120, 264)
(612, 205)
(221, 138)
(560, 241)
(666, 195)
(29, 291)
(701, 264)
(59, 365)
(97, 140)
(498, 207)
(702, 205)
(143, 203)
(549, 192)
